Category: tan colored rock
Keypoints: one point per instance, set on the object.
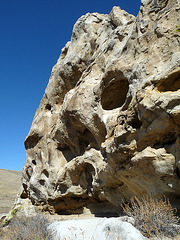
(108, 125)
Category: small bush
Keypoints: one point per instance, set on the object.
(28, 228)
(177, 29)
(153, 217)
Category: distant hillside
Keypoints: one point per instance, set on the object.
(10, 182)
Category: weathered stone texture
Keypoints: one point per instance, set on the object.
(108, 126)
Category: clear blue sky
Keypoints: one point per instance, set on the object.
(32, 34)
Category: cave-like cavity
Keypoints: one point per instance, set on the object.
(114, 94)
(171, 83)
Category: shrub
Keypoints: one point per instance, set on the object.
(153, 217)
(177, 29)
(10, 215)
(28, 228)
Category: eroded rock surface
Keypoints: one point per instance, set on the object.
(108, 126)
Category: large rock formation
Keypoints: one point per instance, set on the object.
(108, 125)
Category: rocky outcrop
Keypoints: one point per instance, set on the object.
(108, 126)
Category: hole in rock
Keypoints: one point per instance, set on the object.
(86, 178)
(29, 172)
(25, 186)
(87, 141)
(114, 94)
(135, 122)
(24, 193)
(172, 83)
(124, 49)
(77, 210)
(34, 162)
(42, 182)
(67, 152)
(45, 172)
(62, 188)
(48, 107)
(32, 141)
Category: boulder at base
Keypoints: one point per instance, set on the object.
(95, 229)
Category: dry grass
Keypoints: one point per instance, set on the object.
(1, 232)
(10, 182)
(27, 228)
(153, 217)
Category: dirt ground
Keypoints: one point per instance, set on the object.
(10, 182)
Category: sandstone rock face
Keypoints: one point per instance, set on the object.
(108, 126)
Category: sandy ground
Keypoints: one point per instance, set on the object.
(10, 182)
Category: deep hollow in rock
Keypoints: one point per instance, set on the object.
(172, 83)
(31, 141)
(114, 94)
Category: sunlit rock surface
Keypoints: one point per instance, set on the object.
(108, 126)
(98, 228)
